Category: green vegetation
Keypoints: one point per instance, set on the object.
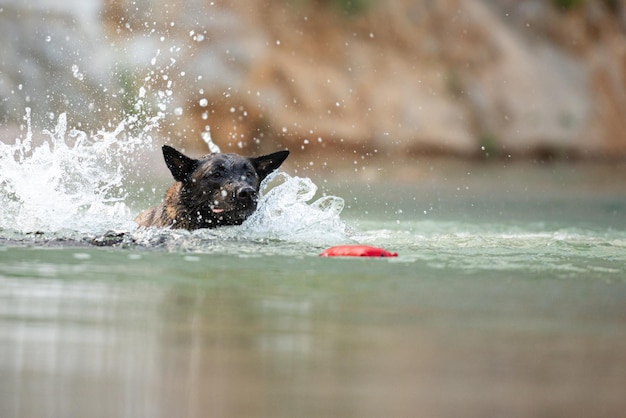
(612, 6)
(488, 145)
(351, 7)
(346, 7)
(567, 5)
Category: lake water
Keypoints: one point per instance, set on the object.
(508, 298)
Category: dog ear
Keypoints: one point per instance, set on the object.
(179, 164)
(265, 164)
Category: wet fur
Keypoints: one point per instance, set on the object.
(215, 190)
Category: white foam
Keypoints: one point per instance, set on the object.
(285, 213)
(70, 181)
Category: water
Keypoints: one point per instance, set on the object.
(508, 297)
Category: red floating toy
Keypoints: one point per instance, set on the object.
(356, 251)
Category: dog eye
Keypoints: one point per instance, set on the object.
(216, 175)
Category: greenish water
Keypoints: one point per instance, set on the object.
(506, 300)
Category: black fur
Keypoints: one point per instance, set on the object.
(217, 189)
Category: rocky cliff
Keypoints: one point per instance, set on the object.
(471, 78)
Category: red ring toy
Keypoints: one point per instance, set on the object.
(356, 251)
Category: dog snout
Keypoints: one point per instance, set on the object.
(247, 193)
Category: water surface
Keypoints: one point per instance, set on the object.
(504, 301)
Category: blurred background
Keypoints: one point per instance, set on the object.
(329, 79)
(500, 123)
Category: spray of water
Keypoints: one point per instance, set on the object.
(285, 212)
(206, 137)
(68, 181)
(75, 182)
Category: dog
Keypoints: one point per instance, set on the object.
(216, 190)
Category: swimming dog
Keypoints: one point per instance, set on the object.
(217, 189)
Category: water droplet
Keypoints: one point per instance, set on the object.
(76, 72)
(206, 137)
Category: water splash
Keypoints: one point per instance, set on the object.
(285, 214)
(206, 137)
(69, 180)
(74, 182)
(65, 181)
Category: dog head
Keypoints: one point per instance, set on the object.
(219, 189)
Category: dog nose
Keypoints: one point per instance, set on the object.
(246, 193)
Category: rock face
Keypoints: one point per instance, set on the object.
(447, 76)
(53, 59)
